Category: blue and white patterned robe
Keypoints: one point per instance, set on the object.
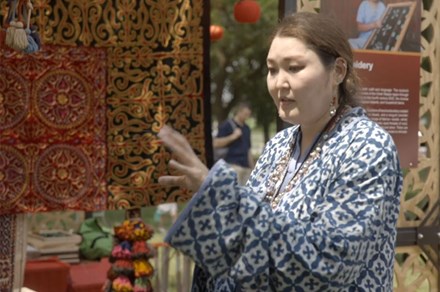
(335, 231)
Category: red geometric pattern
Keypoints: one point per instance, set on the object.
(62, 174)
(53, 152)
(110, 74)
(13, 175)
(14, 98)
(63, 100)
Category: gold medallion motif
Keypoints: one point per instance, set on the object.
(62, 174)
(62, 99)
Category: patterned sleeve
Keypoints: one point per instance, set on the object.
(229, 231)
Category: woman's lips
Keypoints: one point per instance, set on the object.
(286, 100)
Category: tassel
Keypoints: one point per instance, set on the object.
(35, 35)
(16, 36)
(32, 44)
(19, 39)
(10, 29)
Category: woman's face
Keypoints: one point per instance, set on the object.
(301, 87)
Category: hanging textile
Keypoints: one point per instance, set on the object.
(52, 130)
(134, 66)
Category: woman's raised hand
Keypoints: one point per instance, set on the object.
(186, 169)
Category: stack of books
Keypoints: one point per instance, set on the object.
(55, 243)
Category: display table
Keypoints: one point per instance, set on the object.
(88, 276)
(52, 275)
(49, 275)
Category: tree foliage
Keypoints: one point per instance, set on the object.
(238, 62)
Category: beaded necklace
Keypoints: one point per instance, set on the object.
(274, 195)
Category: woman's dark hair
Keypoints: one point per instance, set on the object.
(322, 35)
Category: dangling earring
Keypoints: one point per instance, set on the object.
(333, 107)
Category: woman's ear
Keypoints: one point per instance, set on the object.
(340, 70)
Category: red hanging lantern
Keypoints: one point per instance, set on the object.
(216, 32)
(247, 11)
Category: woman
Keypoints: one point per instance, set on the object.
(319, 211)
(369, 18)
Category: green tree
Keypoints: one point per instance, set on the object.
(238, 63)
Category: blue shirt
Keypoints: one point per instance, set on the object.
(239, 148)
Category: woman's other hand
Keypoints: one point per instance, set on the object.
(186, 169)
(378, 24)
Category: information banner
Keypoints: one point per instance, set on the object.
(390, 93)
(385, 38)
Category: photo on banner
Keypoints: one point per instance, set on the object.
(385, 37)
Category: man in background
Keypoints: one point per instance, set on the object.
(236, 135)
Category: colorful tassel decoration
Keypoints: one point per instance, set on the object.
(129, 258)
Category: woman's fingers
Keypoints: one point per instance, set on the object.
(185, 176)
(179, 167)
(172, 181)
(187, 169)
(177, 143)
